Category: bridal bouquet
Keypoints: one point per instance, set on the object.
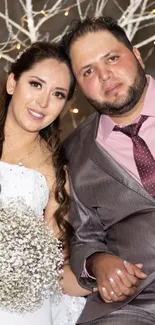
(31, 259)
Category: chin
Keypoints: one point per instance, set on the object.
(31, 129)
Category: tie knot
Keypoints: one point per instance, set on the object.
(132, 129)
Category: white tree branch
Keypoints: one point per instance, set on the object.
(87, 10)
(79, 9)
(145, 42)
(135, 17)
(30, 21)
(6, 57)
(17, 26)
(150, 5)
(100, 5)
(23, 5)
(146, 25)
(59, 37)
(51, 12)
(135, 29)
(148, 54)
(119, 7)
(138, 19)
(9, 27)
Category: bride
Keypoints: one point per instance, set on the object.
(32, 165)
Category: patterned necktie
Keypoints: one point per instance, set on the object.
(144, 160)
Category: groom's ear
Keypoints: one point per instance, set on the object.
(10, 84)
(138, 56)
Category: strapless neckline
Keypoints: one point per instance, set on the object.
(23, 167)
(25, 183)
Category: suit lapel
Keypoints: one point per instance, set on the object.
(101, 158)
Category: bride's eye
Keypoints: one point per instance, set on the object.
(59, 95)
(35, 84)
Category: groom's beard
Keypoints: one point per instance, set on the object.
(127, 102)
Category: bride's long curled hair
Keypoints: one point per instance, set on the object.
(38, 52)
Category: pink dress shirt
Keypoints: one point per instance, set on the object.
(120, 146)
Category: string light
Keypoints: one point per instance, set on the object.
(0, 55)
(18, 46)
(153, 12)
(75, 110)
(66, 12)
(43, 13)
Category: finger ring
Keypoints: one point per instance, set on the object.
(126, 262)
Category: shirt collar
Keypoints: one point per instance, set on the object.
(106, 124)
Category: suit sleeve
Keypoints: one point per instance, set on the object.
(88, 237)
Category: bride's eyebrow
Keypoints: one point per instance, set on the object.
(43, 81)
(61, 88)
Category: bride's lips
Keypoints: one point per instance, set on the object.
(36, 115)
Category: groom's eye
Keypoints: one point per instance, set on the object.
(88, 72)
(113, 58)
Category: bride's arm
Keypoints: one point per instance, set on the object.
(70, 285)
(69, 282)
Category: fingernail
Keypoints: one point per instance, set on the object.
(112, 293)
(111, 280)
(104, 289)
(118, 271)
(139, 265)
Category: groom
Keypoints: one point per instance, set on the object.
(112, 176)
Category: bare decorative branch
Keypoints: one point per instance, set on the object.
(100, 5)
(132, 19)
(31, 23)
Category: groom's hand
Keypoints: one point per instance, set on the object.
(116, 279)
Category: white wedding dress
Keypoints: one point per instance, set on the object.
(18, 181)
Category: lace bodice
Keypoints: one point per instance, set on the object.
(23, 183)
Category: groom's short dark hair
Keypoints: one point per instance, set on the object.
(91, 25)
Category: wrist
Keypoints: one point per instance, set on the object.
(92, 262)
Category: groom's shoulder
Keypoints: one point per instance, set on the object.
(80, 133)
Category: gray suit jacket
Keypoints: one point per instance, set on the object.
(110, 212)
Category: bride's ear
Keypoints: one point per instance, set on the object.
(10, 84)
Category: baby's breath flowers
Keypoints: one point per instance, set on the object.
(31, 259)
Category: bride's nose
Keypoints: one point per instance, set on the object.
(43, 99)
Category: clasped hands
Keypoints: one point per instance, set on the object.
(116, 279)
